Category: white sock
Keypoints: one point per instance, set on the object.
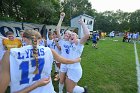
(78, 89)
(61, 86)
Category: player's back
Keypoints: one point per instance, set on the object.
(23, 64)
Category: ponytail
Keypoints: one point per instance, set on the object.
(30, 34)
(35, 53)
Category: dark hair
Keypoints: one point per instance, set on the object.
(9, 33)
(30, 34)
(55, 32)
(49, 34)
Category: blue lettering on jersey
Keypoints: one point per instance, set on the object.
(19, 56)
(51, 45)
(55, 47)
(41, 65)
(42, 53)
(25, 67)
(67, 48)
(42, 43)
(38, 52)
(48, 45)
(29, 53)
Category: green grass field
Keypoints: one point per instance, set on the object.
(109, 69)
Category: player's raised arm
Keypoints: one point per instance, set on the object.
(63, 60)
(58, 27)
(4, 72)
(85, 31)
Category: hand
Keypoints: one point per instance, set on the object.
(80, 21)
(62, 15)
(42, 82)
(55, 40)
(78, 59)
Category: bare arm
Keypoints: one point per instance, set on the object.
(85, 31)
(58, 27)
(39, 83)
(4, 72)
(63, 60)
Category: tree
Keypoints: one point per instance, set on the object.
(73, 8)
(135, 21)
(37, 11)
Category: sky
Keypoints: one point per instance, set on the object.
(109, 5)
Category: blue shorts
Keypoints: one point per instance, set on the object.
(95, 42)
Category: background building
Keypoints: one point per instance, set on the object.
(88, 20)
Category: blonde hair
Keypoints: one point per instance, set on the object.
(68, 31)
(37, 35)
(31, 35)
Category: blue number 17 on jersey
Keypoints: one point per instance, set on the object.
(24, 67)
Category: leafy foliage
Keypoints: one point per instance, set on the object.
(47, 12)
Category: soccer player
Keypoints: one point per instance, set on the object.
(52, 42)
(94, 40)
(74, 71)
(23, 67)
(65, 51)
(57, 48)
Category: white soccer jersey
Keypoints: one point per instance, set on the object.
(75, 52)
(56, 48)
(65, 48)
(22, 66)
(65, 52)
(50, 43)
(129, 35)
(134, 36)
(42, 42)
(2, 50)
